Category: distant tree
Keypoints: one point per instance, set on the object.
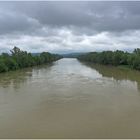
(137, 51)
(114, 58)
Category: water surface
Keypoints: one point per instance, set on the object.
(70, 99)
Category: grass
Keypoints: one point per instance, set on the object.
(124, 67)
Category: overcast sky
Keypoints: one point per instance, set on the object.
(62, 27)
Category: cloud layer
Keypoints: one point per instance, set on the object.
(63, 27)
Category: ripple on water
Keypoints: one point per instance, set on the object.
(69, 99)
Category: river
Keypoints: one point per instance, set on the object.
(70, 99)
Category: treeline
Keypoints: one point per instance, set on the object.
(19, 59)
(115, 58)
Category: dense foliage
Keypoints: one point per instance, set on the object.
(114, 58)
(18, 59)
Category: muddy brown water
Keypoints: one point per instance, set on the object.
(70, 99)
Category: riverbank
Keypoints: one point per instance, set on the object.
(121, 67)
(116, 58)
(19, 59)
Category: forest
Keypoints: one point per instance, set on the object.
(116, 58)
(18, 59)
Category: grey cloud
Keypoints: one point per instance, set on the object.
(96, 16)
(69, 26)
(13, 22)
(100, 16)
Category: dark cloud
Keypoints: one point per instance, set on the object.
(100, 16)
(63, 25)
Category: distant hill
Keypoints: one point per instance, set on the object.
(35, 54)
(67, 55)
(72, 55)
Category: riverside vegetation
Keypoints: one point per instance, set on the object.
(19, 59)
(116, 58)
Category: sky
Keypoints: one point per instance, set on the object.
(65, 27)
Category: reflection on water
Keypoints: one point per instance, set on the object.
(17, 78)
(70, 99)
(118, 74)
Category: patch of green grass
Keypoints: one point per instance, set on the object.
(124, 67)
